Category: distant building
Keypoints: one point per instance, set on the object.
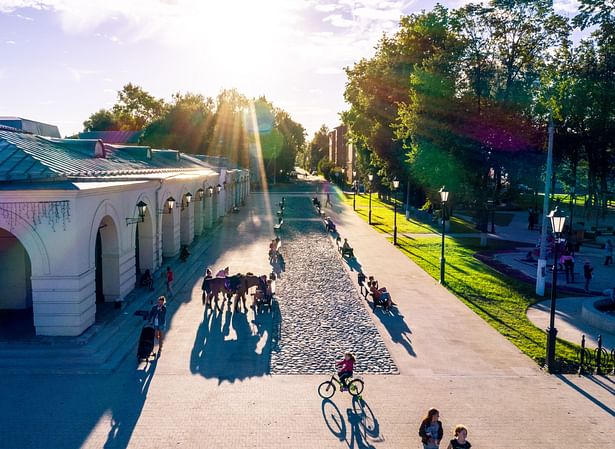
(30, 126)
(113, 137)
(341, 151)
(72, 236)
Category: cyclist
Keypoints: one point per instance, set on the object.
(345, 368)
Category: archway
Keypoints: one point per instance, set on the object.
(107, 266)
(170, 233)
(144, 245)
(16, 317)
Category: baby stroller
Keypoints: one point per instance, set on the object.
(146, 343)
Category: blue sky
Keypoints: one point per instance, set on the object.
(61, 60)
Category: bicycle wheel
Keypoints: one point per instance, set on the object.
(355, 387)
(326, 389)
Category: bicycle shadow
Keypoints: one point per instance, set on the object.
(358, 429)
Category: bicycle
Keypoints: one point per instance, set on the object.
(328, 387)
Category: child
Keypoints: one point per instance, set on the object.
(345, 368)
(430, 430)
(460, 442)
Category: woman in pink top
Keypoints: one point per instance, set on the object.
(345, 368)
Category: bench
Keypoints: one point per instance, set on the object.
(278, 227)
(329, 225)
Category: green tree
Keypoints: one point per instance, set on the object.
(102, 120)
(135, 108)
(318, 147)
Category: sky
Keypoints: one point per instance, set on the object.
(62, 60)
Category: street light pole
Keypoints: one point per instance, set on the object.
(443, 199)
(557, 223)
(541, 269)
(371, 178)
(395, 186)
(354, 188)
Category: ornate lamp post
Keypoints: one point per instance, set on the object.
(558, 219)
(354, 188)
(443, 200)
(371, 178)
(395, 186)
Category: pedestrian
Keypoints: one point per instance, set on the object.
(328, 201)
(170, 278)
(430, 430)
(345, 368)
(568, 261)
(158, 318)
(608, 252)
(531, 220)
(460, 442)
(587, 274)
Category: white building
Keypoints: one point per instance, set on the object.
(71, 233)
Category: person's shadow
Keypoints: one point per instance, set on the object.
(126, 414)
(395, 324)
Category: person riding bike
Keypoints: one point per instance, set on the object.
(345, 368)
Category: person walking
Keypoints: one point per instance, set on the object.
(587, 274)
(430, 431)
(460, 442)
(170, 277)
(608, 252)
(328, 201)
(568, 262)
(158, 318)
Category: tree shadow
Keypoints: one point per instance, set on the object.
(232, 345)
(358, 429)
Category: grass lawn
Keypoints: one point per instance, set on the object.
(498, 299)
(382, 218)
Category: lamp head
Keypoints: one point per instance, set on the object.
(443, 194)
(370, 177)
(395, 183)
(558, 220)
(170, 203)
(188, 197)
(142, 207)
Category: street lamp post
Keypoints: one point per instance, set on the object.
(395, 186)
(371, 178)
(572, 205)
(558, 220)
(354, 188)
(443, 200)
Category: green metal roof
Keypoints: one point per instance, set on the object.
(29, 157)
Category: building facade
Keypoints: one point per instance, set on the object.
(80, 220)
(341, 151)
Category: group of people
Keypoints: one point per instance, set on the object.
(431, 433)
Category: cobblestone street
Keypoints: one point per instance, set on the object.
(322, 314)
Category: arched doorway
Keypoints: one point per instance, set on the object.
(144, 245)
(16, 317)
(170, 233)
(107, 266)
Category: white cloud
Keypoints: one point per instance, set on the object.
(328, 71)
(337, 20)
(10, 42)
(78, 74)
(330, 7)
(566, 6)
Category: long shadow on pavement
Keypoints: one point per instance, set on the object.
(357, 429)
(396, 326)
(229, 346)
(127, 412)
(578, 389)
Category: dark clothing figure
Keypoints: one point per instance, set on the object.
(531, 220)
(587, 274)
(430, 431)
(147, 280)
(457, 445)
(608, 252)
(184, 253)
(568, 261)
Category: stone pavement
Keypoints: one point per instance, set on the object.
(212, 386)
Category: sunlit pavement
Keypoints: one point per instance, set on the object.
(191, 397)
